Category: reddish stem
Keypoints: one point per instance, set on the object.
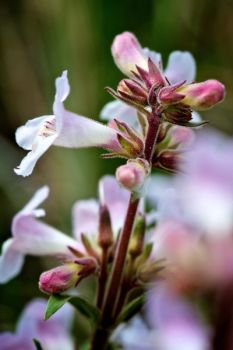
(101, 336)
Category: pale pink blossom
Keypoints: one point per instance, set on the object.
(31, 236)
(63, 128)
(53, 334)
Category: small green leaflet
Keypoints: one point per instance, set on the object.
(56, 301)
(131, 309)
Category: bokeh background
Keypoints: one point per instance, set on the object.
(40, 38)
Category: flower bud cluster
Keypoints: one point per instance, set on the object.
(148, 87)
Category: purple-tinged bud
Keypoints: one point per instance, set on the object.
(201, 96)
(169, 160)
(133, 91)
(178, 114)
(133, 175)
(59, 279)
(87, 266)
(105, 228)
(127, 53)
(169, 95)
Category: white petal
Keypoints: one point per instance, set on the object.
(29, 161)
(121, 111)
(25, 135)
(62, 87)
(34, 237)
(11, 262)
(79, 132)
(39, 197)
(181, 66)
(116, 198)
(85, 217)
(62, 91)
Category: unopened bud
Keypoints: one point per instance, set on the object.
(169, 95)
(169, 159)
(127, 53)
(133, 174)
(87, 266)
(59, 279)
(147, 250)
(149, 272)
(200, 96)
(131, 90)
(105, 228)
(137, 239)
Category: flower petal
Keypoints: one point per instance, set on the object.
(53, 334)
(181, 66)
(29, 161)
(11, 261)
(121, 111)
(154, 56)
(116, 199)
(127, 53)
(31, 207)
(62, 91)
(85, 217)
(34, 237)
(26, 134)
(11, 341)
(178, 325)
(79, 132)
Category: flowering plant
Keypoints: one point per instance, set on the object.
(181, 250)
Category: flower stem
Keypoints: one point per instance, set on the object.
(103, 331)
(119, 262)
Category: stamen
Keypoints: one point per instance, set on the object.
(48, 129)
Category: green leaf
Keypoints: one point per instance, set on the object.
(37, 344)
(85, 308)
(55, 302)
(131, 309)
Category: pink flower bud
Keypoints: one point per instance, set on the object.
(133, 174)
(169, 95)
(203, 95)
(127, 53)
(132, 90)
(169, 159)
(59, 279)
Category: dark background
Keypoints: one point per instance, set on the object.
(40, 38)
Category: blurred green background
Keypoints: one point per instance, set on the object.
(40, 38)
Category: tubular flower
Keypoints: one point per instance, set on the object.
(33, 237)
(53, 334)
(172, 324)
(63, 128)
